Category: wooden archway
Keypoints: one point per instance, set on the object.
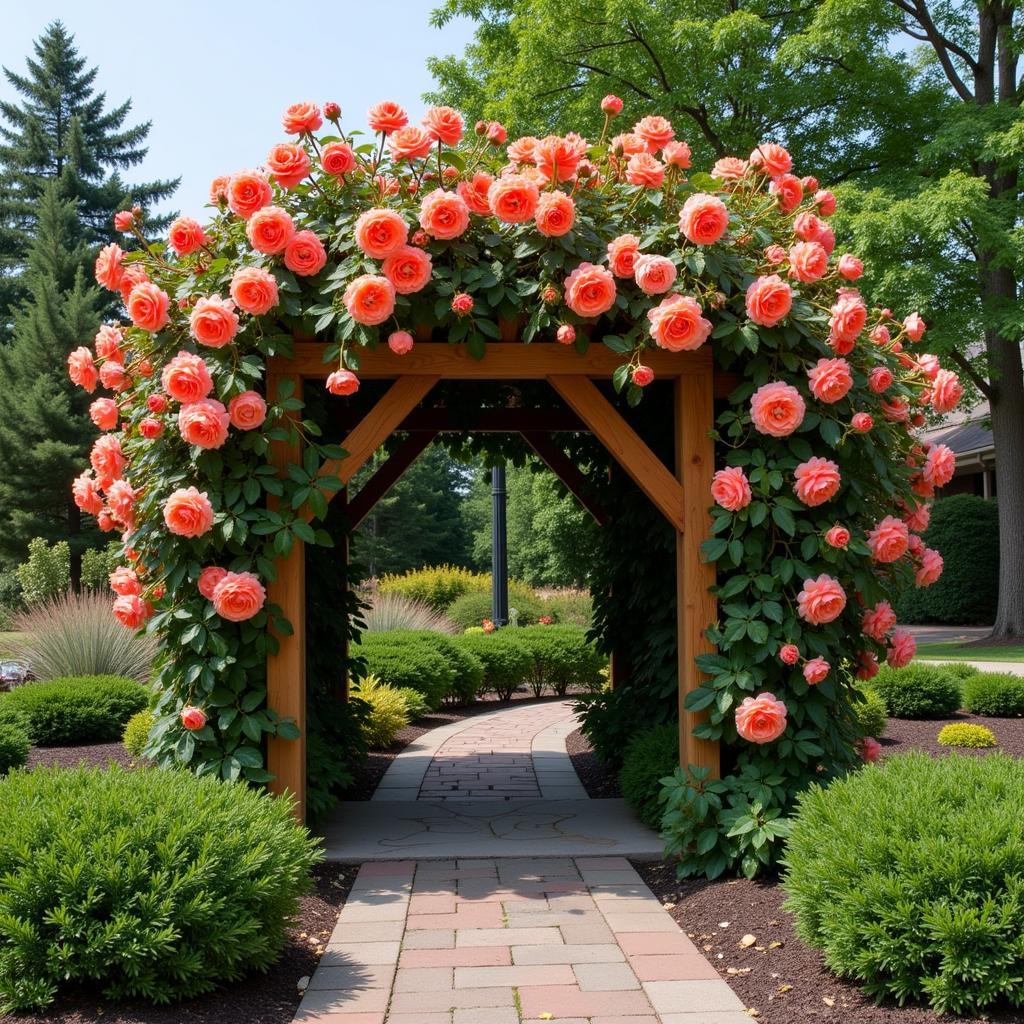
(681, 497)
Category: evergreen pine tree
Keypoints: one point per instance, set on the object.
(60, 131)
(45, 431)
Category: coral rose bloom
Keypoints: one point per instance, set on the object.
(880, 379)
(301, 117)
(777, 409)
(147, 307)
(400, 342)
(337, 159)
(131, 611)
(254, 290)
(409, 143)
(590, 290)
(269, 230)
(188, 512)
(789, 654)
(444, 124)
(914, 326)
(939, 465)
(109, 270)
(82, 370)
(946, 391)
(821, 600)
(238, 596)
(444, 215)
(849, 315)
(816, 671)
(186, 379)
(888, 540)
(771, 158)
(729, 168)
(208, 580)
(654, 274)
(380, 232)
(850, 267)
(305, 254)
(104, 413)
(703, 219)
(108, 343)
(808, 261)
(288, 163)
(837, 537)
(86, 495)
(731, 489)
(930, 568)
(761, 719)
(656, 131)
(622, 254)
(817, 481)
(876, 622)
(556, 214)
(247, 411)
(342, 382)
(830, 379)
(513, 199)
(475, 191)
(185, 235)
(192, 718)
(677, 154)
(644, 170)
(408, 269)
(248, 191)
(788, 191)
(204, 423)
(902, 649)
(213, 321)
(676, 324)
(769, 300)
(124, 582)
(386, 117)
(556, 157)
(370, 299)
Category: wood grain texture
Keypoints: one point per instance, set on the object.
(697, 608)
(566, 470)
(625, 445)
(387, 476)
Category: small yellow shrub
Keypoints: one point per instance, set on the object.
(389, 711)
(963, 734)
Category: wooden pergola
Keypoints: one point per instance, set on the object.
(682, 497)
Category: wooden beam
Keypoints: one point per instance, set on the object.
(286, 670)
(387, 476)
(441, 420)
(697, 608)
(624, 444)
(566, 470)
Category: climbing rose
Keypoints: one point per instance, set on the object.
(238, 596)
(642, 376)
(566, 334)
(147, 307)
(370, 299)
(302, 117)
(817, 481)
(462, 304)
(556, 157)
(112, 375)
(654, 274)
(192, 718)
(849, 315)
(186, 379)
(731, 489)
(789, 654)
(611, 105)
(380, 232)
(104, 413)
(208, 580)
(556, 214)
(643, 169)
(677, 154)
(825, 201)
(771, 158)
(204, 423)
(337, 159)
(108, 343)
(254, 290)
(876, 622)
(186, 235)
(150, 427)
(87, 496)
(342, 382)
(247, 411)
(131, 611)
(914, 326)
(400, 342)
(918, 517)
(946, 391)
(939, 465)
(902, 649)
(475, 191)
(513, 199)
(808, 261)
(109, 270)
(821, 600)
(269, 230)
(769, 300)
(188, 512)
(677, 324)
(656, 132)
(729, 168)
(82, 370)
(837, 536)
(761, 719)
(386, 117)
(850, 267)
(248, 191)
(622, 254)
(408, 269)
(288, 164)
(121, 500)
(862, 422)
(107, 460)
(444, 124)
(124, 582)
(870, 749)
(830, 379)
(888, 540)
(777, 409)
(816, 670)
(444, 215)
(703, 219)
(123, 220)
(930, 569)
(590, 290)
(880, 379)
(213, 321)
(305, 254)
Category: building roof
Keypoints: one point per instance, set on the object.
(963, 438)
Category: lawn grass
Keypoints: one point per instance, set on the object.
(956, 650)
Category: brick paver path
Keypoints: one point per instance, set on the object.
(511, 941)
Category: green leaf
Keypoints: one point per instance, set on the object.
(784, 520)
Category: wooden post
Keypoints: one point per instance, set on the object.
(286, 670)
(697, 608)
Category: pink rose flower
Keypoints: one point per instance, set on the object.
(400, 342)
(108, 342)
(769, 300)
(147, 307)
(337, 159)
(104, 413)
(729, 169)
(408, 269)
(946, 391)
(186, 379)
(867, 665)
(566, 334)
(208, 580)
(914, 326)
(513, 199)
(761, 719)
(186, 235)
(150, 427)
(611, 105)
(788, 190)
(731, 489)
(902, 649)
(86, 494)
(124, 220)
(288, 164)
(677, 154)
(930, 568)
(248, 191)
(370, 299)
(213, 321)
(238, 596)
(386, 117)
(302, 118)
(444, 215)
(342, 382)
(254, 290)
(703, 219)
(462, 304)
(821, 600)
(131, 611)
(888, 540)
(305, 254)
(817, 481)
(789, 654)
(380, 232)
(107, 460)
(825, 201)
(876, 622)
(939, 465)
(816, 671)
(643, 169)
(850, 267)
(879, 334)
(590, 290)
(82, 370)
(112, 376)
(918, 517)
(777, 409)
(188, 512)
(109, 270)
(475, 192)
(642, 376)
(849, 315)
(444, 125)
(830, 379)
(654, 274)
(204, 423)
(837, 536)
(556, 214)
(862, 422)
(677, 324)
(192, 718)
(124, 582)
(556, 157)
(269, 230)
(771, 158)
(870, 749)
(656, 132)
(622, 254)
(808, 261)
(247, 411)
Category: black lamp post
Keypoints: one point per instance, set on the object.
(499, 549)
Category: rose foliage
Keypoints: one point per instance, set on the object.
(363, 240)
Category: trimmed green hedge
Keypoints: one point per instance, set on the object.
(872, 713)
(136, 732)
(965, 530)
(562, 657)
(506, 662)
(918, 691)
(150, 884)
(997, 694)
(403, 658)
(651, 756)
(13, 747)
(84, 709)
(471, 609)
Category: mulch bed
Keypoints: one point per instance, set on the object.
(903, 734)
(785, 981)
(95, 755)
(600, 781)
(270, 998)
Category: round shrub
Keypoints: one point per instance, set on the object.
(415, 702)
(909, 876)
(467, 670)
(966, 734)
(402, 658)
(651, 756)
(918, 691)
(871, 712)
(136, 732)
(471, 609)
(965, 528)
(562, 657)
(13, 747)
(960, 669)
(153, 884)
(506, 662)
(996, 694)
(437, 586)
(389, 712)
(83, 709)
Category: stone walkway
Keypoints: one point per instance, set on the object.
(511, 941)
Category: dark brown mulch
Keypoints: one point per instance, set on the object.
(269, 998)
(96, 755)
(600, 781)
(903, 734)
(780, 977)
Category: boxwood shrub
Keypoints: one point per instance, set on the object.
(997, 694)
(136, 732)
(562, 657)
(918, 691)
(405, 658)
(872, 713)
(651, 756)
(72, 710)
(471, 609)
(150, 884)
(506, 662)
(909, 877)
(13, 747)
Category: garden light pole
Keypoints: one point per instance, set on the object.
(499, 548)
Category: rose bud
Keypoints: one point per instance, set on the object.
(192, 718)
(642, 376)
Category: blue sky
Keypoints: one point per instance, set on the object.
(214, 77)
